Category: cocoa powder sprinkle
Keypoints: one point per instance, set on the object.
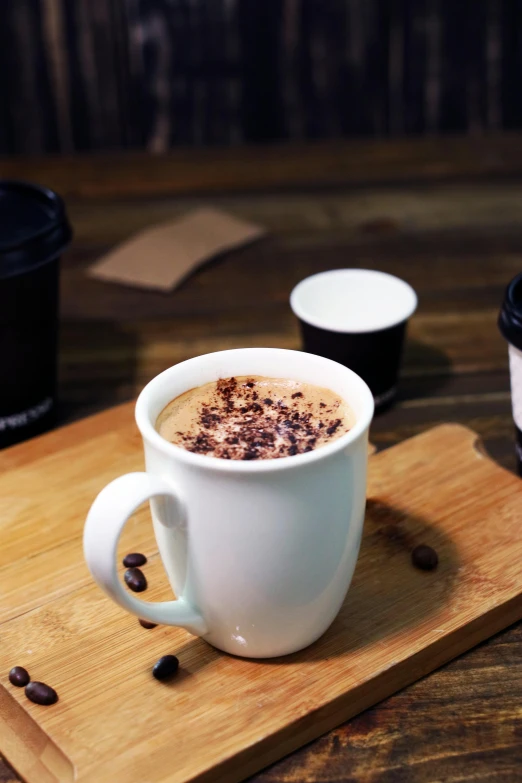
(238, 421)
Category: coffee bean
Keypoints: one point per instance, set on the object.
(19, 676)
(41, 693)
(134, 560)
(166, 667)
(135, 580)
(146, 624)
(424, 557)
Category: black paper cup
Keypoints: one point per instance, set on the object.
(33, 232)
(510, 325)
(357, 317)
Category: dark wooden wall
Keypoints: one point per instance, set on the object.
(108, 74)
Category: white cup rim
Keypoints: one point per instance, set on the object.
(151, 435)
(337, 277)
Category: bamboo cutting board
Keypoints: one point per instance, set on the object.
(224, 718)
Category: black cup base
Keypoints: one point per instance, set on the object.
(385, 400)
(374, 356)
(28, 346)
(28, 424)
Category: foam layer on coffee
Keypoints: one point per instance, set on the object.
(253, 417)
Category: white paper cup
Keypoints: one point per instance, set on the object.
(357, 317)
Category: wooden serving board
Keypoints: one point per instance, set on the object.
(224, 718)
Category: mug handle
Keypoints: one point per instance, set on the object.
(103, 527)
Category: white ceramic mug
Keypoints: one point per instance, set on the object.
(259, 553)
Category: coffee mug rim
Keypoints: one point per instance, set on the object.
(152, 436)
(301, 313)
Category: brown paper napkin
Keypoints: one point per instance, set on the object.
(162, 256)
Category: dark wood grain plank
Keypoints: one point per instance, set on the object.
(272, 167)
(163, 73)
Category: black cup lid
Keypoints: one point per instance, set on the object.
(510, 318)
(33, 226)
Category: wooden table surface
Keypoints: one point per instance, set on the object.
(447, 217)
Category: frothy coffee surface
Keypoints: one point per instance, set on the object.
(253, 417)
